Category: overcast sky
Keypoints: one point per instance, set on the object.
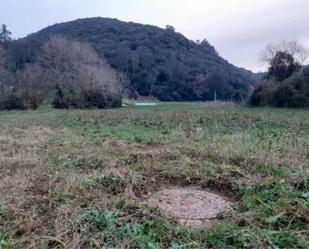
(239, 29)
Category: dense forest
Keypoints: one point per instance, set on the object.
(157, 62)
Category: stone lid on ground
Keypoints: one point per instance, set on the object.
(189, 206)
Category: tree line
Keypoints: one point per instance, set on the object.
(287, 81)
(68, 73)
(157, 62)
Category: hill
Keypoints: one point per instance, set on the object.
(160, 62)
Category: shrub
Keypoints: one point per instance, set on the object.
(11, 102)
(292, 92)
(97, 99)
(112, 183)
(114, 101)
(237, 97)
(263, 93)
(88, 99)
(59, 101)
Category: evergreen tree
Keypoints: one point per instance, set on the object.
(5, 34)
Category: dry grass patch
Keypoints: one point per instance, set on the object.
(79, 178)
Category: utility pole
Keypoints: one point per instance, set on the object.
(215, 96)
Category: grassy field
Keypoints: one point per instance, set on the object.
(75, 179)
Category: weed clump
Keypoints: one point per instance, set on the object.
(112, 183)
(107, 228)
(83, 161)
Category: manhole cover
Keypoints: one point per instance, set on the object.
(189, 206)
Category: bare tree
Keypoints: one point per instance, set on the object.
(77, 70)
(95, 79)
(56, 56)
(32, 85)
(284, 59)
(293, 47)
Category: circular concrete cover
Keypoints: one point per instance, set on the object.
(190, 206)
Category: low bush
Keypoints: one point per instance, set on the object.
(292, 92)
(11, 102)
(67, 98)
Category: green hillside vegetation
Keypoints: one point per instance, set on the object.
(157, 62)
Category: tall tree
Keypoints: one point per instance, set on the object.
(293, 47)
(287, 83)
(32, 85)
(284, 58)
(170, 28)
(5, 34)
(78, 73)
(3, 70)
(282, 66)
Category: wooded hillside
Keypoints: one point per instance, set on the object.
(157, 62)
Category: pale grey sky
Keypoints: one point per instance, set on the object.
(239, 29)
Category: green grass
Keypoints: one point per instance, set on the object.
(75, 179)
